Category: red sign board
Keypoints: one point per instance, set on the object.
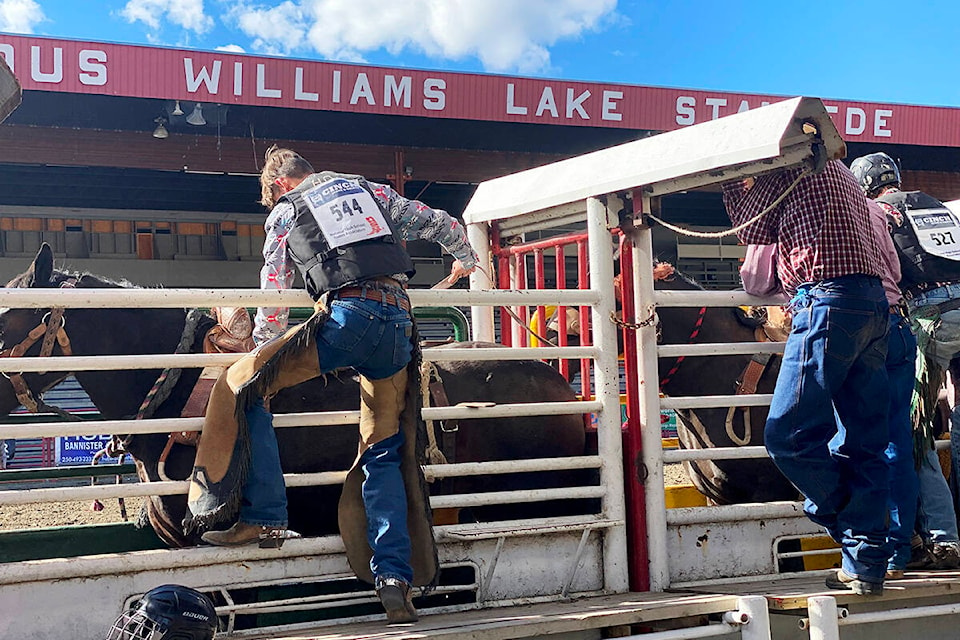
(227, 78)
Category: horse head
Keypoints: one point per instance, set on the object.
(18, 328)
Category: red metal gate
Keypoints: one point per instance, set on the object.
(517, 328)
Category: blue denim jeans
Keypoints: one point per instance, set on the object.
(904, 483)
(373, 338)
(827, 428)
(936, 519)
(946, 339)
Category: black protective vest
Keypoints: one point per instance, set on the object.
(325, 268)
(917, 266)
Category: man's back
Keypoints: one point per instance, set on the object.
(822, 225)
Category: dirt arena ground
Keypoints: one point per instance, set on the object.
(58, 514)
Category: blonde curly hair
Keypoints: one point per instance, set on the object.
(280, 163)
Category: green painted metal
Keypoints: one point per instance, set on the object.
(70, 542)
(456, 317)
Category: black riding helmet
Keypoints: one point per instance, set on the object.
(168, 612)
(875, 171)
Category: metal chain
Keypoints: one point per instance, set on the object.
(651, 319)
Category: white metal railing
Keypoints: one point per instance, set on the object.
(655, 456)
(824, 617)
(610, 523)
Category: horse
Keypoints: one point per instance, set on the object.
(722, 481)
(312, 510)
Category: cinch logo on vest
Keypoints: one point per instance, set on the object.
(933, 220)
(341, 186)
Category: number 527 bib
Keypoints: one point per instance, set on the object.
(346, 212)
(937, 230)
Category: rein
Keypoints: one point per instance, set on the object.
(664, 381)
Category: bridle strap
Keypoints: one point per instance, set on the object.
(51, 329)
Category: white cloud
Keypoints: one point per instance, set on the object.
(20, 16)
(184, 13)
(231, 48)
(504, 35)
(275, 30)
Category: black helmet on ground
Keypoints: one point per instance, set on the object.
(168, 612)
(875, 171)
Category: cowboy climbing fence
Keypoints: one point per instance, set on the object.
(493, 563)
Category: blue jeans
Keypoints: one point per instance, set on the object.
(945, 343)
(936, 519)
(904, 483)
(827, 428)
(373, 338)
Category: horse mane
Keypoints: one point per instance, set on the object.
(88, 280)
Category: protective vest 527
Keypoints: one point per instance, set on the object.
(927, 237)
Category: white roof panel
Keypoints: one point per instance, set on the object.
(698, 154)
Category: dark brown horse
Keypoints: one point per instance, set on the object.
(119, 394)
(723, 481)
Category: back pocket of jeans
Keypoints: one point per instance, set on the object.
(345, 327)
(848, 332)
(402, 344)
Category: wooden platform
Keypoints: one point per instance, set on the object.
(792, 593)
(532, 620)
(538, 620)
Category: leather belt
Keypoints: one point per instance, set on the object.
(900, 310)
(374, 293)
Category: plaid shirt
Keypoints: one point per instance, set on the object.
(822, 227)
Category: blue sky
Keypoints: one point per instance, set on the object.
(841, 50)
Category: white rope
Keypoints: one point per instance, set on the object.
(736, 229)
(432, 453)
(732, 431)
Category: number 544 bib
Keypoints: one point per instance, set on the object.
(346, 212)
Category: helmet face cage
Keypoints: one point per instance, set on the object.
(135, 625)
(169, 612)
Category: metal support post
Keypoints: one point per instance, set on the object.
(656, 508)
(757, 624)
(481, 317)
(824, 623)
(607, 391)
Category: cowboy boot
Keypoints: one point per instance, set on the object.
(242, 533)
(396, 596)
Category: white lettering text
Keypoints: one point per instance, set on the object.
(362, 89)
(576, 104)
(610, 105)
(397, 92)
(210, 79)
(52, 77)
(92, 67)
(299, 93)
(434, 98)
(512, 108)
(262, 91)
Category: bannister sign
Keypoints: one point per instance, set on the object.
(227, 78)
